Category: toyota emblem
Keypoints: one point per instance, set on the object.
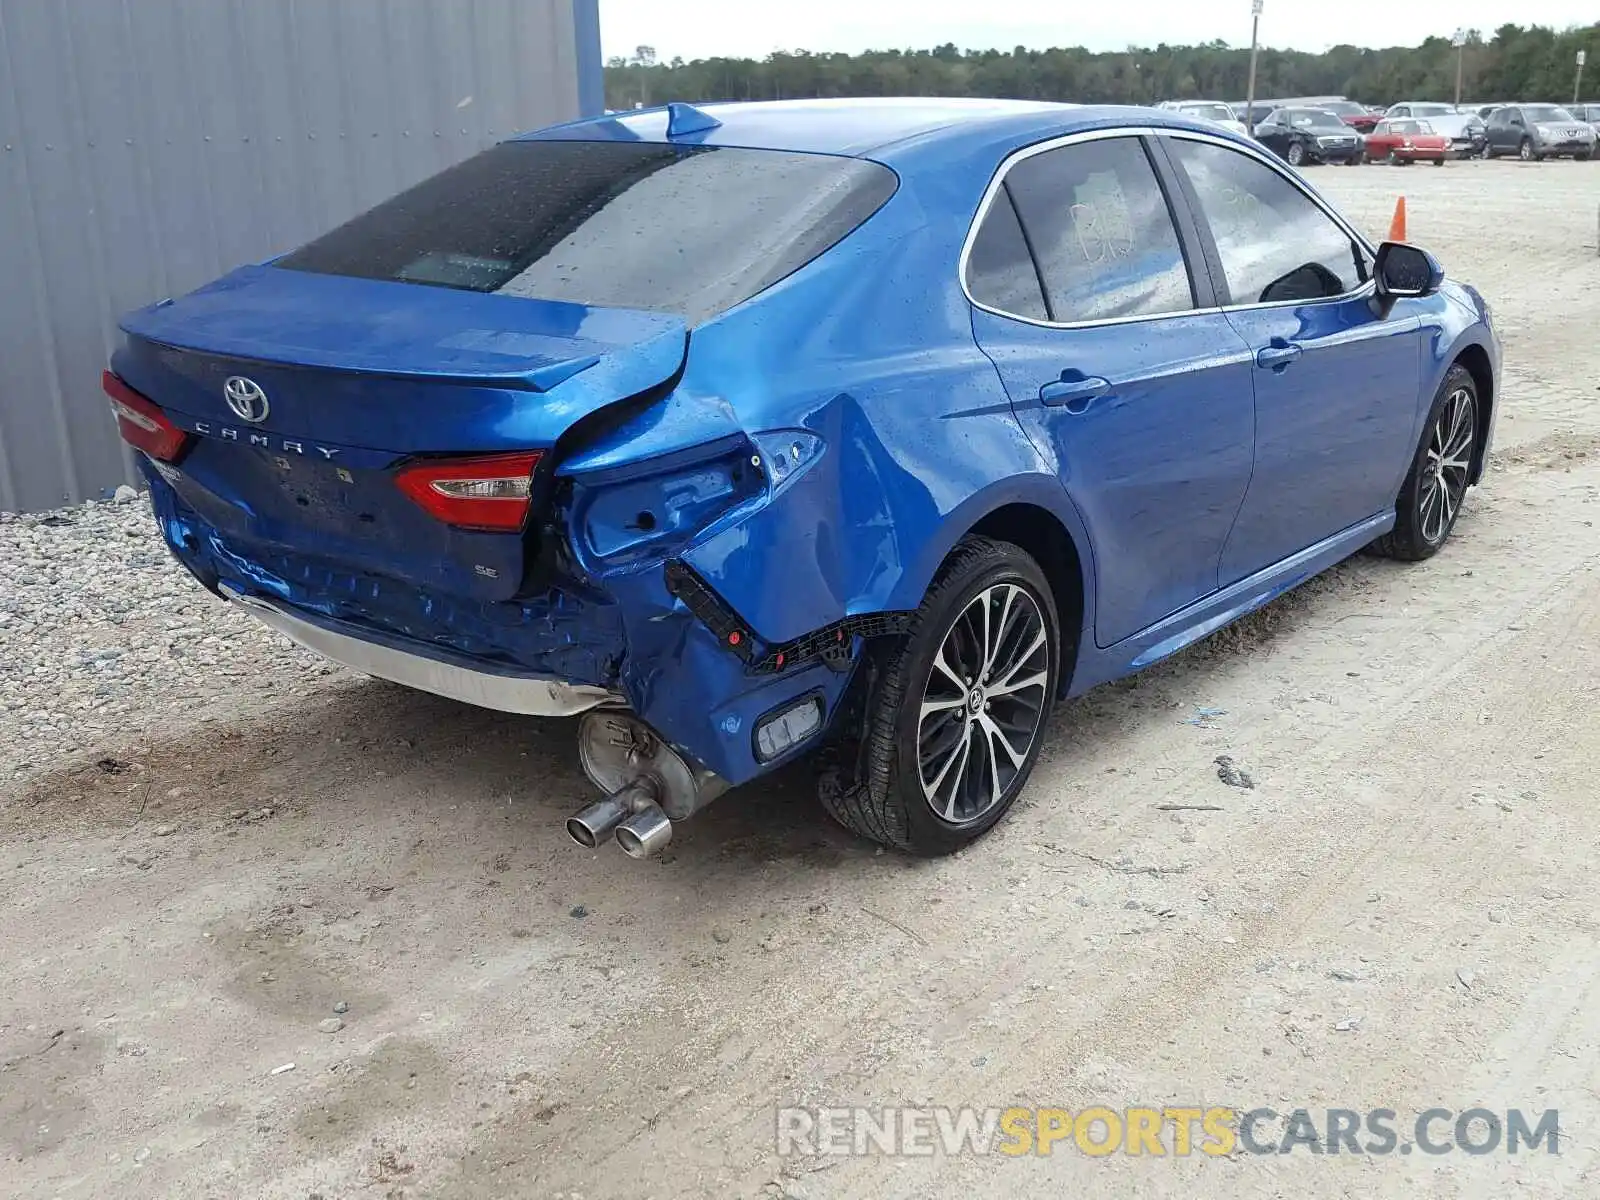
(246, 399)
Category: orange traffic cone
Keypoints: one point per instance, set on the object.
(1397, 227)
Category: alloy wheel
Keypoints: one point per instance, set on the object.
(1444, 479)
(1296, 155)
(984, 703)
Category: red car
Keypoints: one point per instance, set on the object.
(1358, 117)
(1405, 140)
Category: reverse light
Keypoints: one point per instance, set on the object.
(782, 731)
(487, 491)
(141, 422)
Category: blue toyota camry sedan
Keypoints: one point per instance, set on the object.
(749, 431)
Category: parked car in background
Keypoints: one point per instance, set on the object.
(1253, 115)
(1357, 116)
(879, 424)
(1404, 141)
(1535, 132)
(1589, 113)
(1464, 129)
(1214, 111)
(1304, 136)
(1483, 110)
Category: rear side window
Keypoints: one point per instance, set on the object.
(1101, 231)
(1000, 271)
(687, 230)
(1275, 245)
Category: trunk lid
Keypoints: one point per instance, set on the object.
(396, 366)
(352, 378)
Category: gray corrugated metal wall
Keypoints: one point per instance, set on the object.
(151, 145)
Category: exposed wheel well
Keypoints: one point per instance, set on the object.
(1476, 360)
(1038, 532)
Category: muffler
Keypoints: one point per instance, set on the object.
(649, 785)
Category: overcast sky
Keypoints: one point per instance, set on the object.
(707, 28)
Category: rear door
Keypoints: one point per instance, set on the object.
(1336, 386)
(1117, 366)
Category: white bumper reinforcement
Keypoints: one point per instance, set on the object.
(531, 695)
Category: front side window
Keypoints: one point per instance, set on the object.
(1101, 231)
(686, 230)
(1276, 245)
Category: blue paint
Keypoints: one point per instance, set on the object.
(813, 453)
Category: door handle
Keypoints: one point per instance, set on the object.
(1278, 354)
(1075, 395)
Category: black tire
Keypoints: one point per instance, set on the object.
(1487, 152)
(1585, 156)
(1418, 531)
(1295, 155)
(1438, 162)
(1394, 159)
(1526, 152)
(877, 789)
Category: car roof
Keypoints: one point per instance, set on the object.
(881, 129)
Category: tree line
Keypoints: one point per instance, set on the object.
(1514, 63)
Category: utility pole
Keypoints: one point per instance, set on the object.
(1577, 85)
(1459, 41)
(1250, 94)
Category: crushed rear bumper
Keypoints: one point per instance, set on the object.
(529, 695)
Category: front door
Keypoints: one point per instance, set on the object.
(1336, 385)
(1142, 403)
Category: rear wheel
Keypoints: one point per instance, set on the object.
(1431, 497)
(954, 721)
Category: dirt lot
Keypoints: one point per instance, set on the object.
(1402, 914)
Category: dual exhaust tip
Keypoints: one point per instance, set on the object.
(631, 815)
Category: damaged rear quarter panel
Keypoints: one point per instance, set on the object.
(871, 349)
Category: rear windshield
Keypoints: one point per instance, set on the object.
(687, 230)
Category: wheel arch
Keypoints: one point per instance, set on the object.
(1042, 536)
(1475, 359)
(1034, 513)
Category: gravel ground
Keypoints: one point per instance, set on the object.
(102, 636)
(279, 931)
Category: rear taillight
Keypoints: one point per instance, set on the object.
(141, 423)
(490, 491)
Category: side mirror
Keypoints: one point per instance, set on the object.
(1402, 272)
